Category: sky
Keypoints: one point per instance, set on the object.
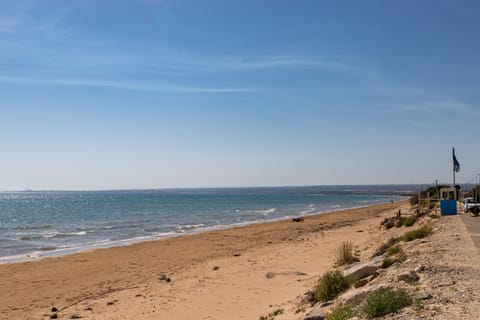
(165, 94)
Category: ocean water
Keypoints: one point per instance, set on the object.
(38, 224)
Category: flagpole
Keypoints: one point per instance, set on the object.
(453, 166)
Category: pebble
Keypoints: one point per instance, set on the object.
(420, 268)
(423, 296)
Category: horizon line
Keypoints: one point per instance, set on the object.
(219, 187)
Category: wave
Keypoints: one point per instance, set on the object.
(30, 227)
(266, 212)
(52, 234)
(310, 209)
(187, 227)
(48, 248)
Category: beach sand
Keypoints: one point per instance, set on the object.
(238, 273)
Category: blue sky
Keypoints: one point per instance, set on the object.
(154, 94)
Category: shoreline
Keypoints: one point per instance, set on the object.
(42, 254)
(112, 280)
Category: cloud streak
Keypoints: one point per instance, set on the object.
(152, 87)
(220, 64)
(435, 107)
(123, 85)
(45, 42)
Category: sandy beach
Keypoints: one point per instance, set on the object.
(238, 273)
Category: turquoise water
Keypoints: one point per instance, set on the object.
(36, 224)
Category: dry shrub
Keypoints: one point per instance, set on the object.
(344, 254)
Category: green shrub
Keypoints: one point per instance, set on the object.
(409, 221)
(387, 262)
(399, 222)
(385, 301)
(330, 286)
(344, 254)
(393, 250)
(384, 247)
(342, 313)
(419, 233)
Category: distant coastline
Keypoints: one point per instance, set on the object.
(367, 189)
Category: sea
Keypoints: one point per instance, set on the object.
(35, 224)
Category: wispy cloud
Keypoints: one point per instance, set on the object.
(124, 85)
(43, 41)
(44, 50)
(221, 64)
(435, 106)
(153, 87)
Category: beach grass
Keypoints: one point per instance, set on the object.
(419, 233)
(342, 313)
(393, 251)
(409, 221)
(344, 254)
(331, 285)
(385, 301)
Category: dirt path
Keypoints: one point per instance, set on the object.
(473, 226)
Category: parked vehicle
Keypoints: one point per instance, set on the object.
(469, 205)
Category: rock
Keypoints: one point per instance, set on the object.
(360, 283)
(384, 247)
(75, 316)
(317, 313)
(236, 254)
(355, 296)
(411, 276)
(54, 309)
(216, 268)
(363, 270)
(423, 296)
(389, 224)
(54, 316)
(326, 304)
(300, 219)
(270, 275)
(420, 268)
